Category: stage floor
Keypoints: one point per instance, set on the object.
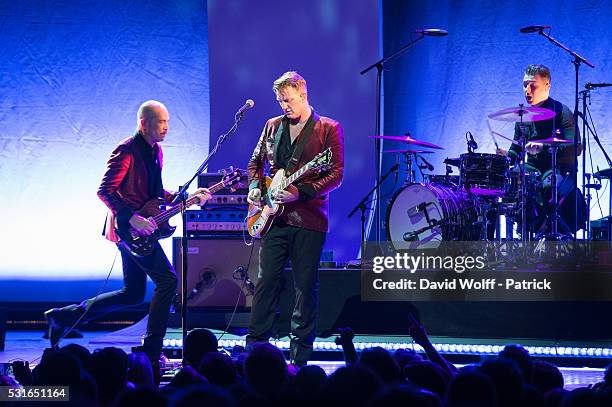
(29, 345)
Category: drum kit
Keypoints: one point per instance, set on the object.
(468, 207)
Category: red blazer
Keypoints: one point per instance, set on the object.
(313, 212)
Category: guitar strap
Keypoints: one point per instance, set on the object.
(299, 147)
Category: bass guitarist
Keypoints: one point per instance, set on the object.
(288, 142)
(133, 178)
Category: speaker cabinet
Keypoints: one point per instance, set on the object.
(222, 271)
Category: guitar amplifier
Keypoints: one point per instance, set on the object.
(222, 272)
(240, 187)
(216, 220)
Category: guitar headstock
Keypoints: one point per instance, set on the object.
(322, 161)
(231, 176)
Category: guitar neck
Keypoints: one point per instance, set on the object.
(165, 215)
(295, 176)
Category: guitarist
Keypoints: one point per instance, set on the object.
(132, 177)
(288, 142)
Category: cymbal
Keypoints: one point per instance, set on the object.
(551, 141)
(529, 113)
(409, 151)
(409, 140)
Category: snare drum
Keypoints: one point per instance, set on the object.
(423, 215)
(484, 174)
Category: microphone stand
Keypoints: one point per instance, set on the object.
(379, 70)
(181, 196)
(362, 206)
(588, 129)
(577, 61)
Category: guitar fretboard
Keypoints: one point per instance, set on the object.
(164, 216)
(293, 177)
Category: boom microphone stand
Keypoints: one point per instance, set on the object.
(181, 196)
(578, 60)
(433, 32)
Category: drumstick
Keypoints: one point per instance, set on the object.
(492, 134)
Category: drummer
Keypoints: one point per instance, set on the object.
(536, 85)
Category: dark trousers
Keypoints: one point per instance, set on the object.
(135, 271)
(303, 247)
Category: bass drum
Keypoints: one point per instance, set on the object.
(421, 216)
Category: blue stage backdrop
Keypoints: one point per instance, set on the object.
(72, 77)
(329, 42)
(446, 86)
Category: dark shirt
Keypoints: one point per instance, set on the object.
(285, 152)
(285, 147)
(563, 121)
(151, 159)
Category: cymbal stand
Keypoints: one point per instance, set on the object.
(523, 189)
(555, 199)
(410, 176)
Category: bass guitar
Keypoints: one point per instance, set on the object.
(141, 246)
(260, 217)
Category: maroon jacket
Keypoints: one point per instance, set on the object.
(311, 213)
(125, 183)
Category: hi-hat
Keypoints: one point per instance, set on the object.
(409, 151)
(552, 141)
(528, 114)
(409, 140)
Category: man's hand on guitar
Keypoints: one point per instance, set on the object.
(142, 226)
(288, 195)
(203, 194)
(254, 197)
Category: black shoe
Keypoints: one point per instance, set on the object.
(57, 326)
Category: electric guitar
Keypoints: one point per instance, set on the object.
(260, 218)
(141, 246)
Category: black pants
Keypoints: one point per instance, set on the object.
(135, 271)
(303, 247)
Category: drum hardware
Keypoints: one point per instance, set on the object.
(522, 115)
(411, 156)
(554, 143)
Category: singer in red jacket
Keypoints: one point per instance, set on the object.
(299, 233)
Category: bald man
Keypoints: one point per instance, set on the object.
(132, 178)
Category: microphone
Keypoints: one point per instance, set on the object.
(473, 142)
(247, 105)
(432, 32)
(427, 164)
(533, 28)
(590, 85)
